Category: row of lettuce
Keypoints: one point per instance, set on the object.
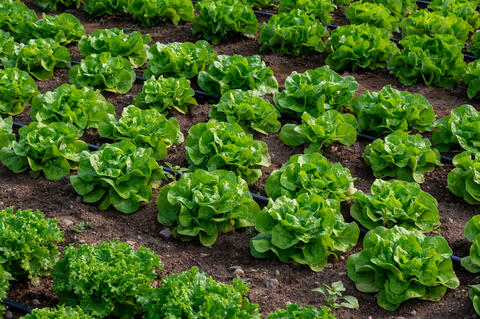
(113, 279)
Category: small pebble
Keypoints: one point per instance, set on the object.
(36, 302)
(414, 312)
(131, 242)
(342, 273)
(166, 233)
(8, 315)
(450, 220)
(328, 266)
(233, 268)
(203, 255)
(239, 272)
(65, 221)
(271, 283)
(277, 273)
(342, 257)
(78, 199)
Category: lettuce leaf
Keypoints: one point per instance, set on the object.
(474, 295)
(375, 14)
(399, 8)
(295, 311)
(150, 12)
(17, 88)
(63, 28)
(103, 7)
(55, 5)
(15, 17)
(472, 79)
(7, 47)
(464, 9)
(59, 312)
(320, 9)
(463, 180)
(472, 233)
(5, 277)
(474, 47)
(7, 138)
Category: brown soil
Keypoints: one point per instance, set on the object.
(58, 199)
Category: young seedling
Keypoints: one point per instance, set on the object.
(333, 295)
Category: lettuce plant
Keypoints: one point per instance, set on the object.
(396, 202)
(163, 94)
(260, 4)
(132, 46)
(218, 19)
(464, 9)
(472, 233)
(402, 264)
(205, 203)
(375, 14)
(7, 138)
(294, 33)
(49, 148)
(105, 280)
(84, 108)
(5, 277)
(389, 110)
(472, 79)
(7, 48)
(63, 28)
(17, 88)
(315, 91)
(320, 9)
(474, 295)
(28, 243)
(229, 72)
(459, 130)
(341, 3)
(179, 59)
(118, 174)
(15, 17)
(146, 128)
(402, 156)
(434, 60)
(305, 230)
(59, 312)
(194, 294)
(150, 12)
(463, 180)
(295, 311)
(398, 8)
(312, 174)
(359, 46)
(474, 46)
(248, 110)
(39, 57)
(222, 145)
(321, 131)
(55, 5)
(103, 72)
(433, 23)
(103, 7)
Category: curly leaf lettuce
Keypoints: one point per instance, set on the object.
(321, 131)
(395, 202)
(305, 230)
(399, 8)
(472, 79)
(17, 88)
(6, 136)
(55, 5)
(472, 233)
(389, 110)
(229, 72)
(63, 28)
(375, 14)
(320, 9)
(221, 145)
(312, 174)
(7, 48)
(315, 91)
(294, 33)
(205, 203)
(464, 9)
(295, 311)
(15, 17)
(402, 264)
(151, 12)
(474, 47)
(474, 295)
(463, 180)
(59, 312)
(5, 277)
(402, 156)
(103, 7)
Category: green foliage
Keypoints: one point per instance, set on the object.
(359, 46)
(434, 60)
(374, 14)
(221, 145)
(5, 277)
(218, 19)
(295, 311)
(474, 46)
(315, 91)
(402, 264)
(248, 110)
(396, 202)
(205, 203)
(132, 46)
(55, 5)
(474, 295)
(399, 8)
(463, 180)
(150, 12)
(146, 128)
(464, 9)
(84, 108)
(260, 4)
(305, 230)
(49, 148)
(7, 47)
(102, 7)
(402, 156)
(472, 233)
(341, 3)
(433, 23)
(103, 72)
(28, 243)
(333, 294)
(63, 28)
(163, 94)
(17, 88)
(118, 174)
(105, 280)
(179, 59)
(459, 130)
(321, 131)
(472, 79)
(312, 174)
(229, 72)
(7, 138)
(320, 9)
(15, 18)
(294, 33)
(59, 312)
(389, 110)
(193, 294)
(39, 57)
